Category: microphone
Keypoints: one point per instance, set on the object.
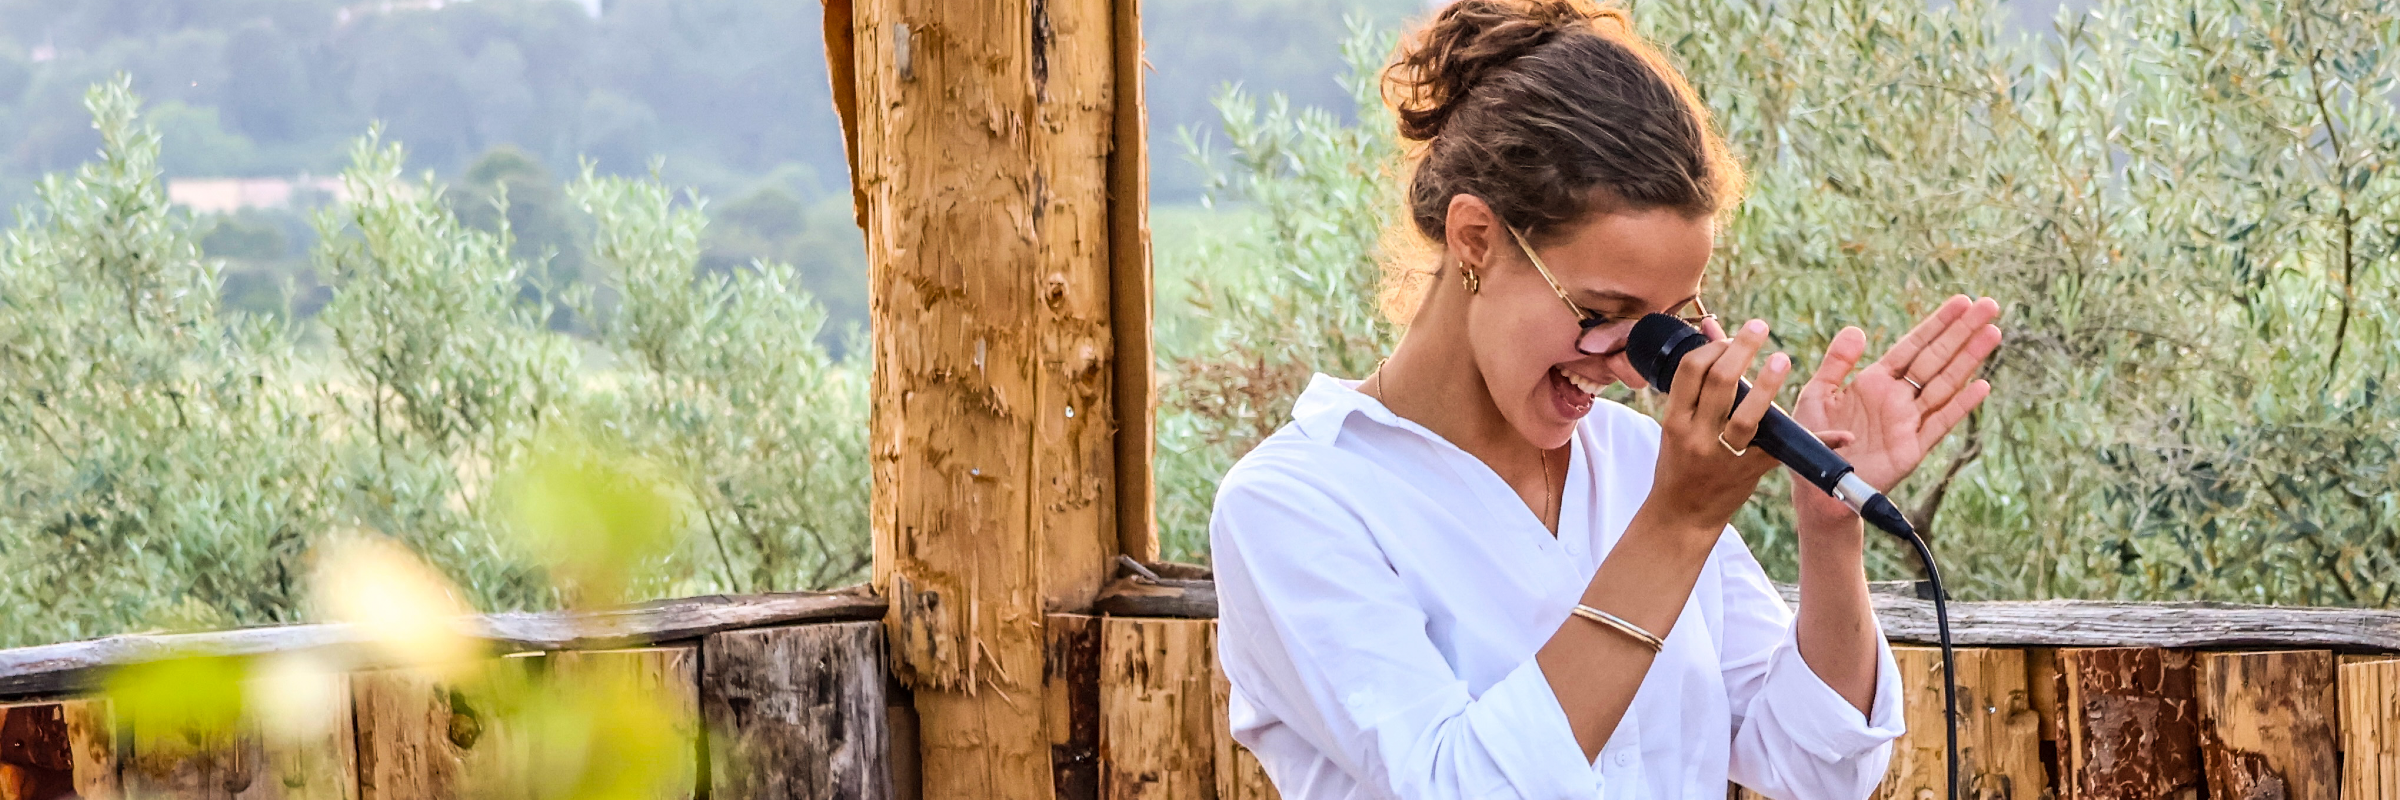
(1658, 344)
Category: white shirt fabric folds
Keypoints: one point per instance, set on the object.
(1381, 595)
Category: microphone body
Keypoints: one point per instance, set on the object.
(1657, 346)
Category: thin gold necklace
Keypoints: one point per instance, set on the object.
(1549, 494)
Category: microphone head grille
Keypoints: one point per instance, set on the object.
(1657, 345)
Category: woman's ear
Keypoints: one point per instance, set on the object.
(1470, 231)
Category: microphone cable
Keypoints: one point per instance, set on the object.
(1899, 526)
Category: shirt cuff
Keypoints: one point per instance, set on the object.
(1525, 733)
(1818, 719)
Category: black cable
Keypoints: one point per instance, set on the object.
(1941, 621)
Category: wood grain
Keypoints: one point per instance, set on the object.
(984, 133)
(1071, 704)
(58, 750)
(2267, 725)
(1130, 292)
(76, 666)
(669, 676)
(282, 760)
(1999, 732)
(2132, 724)
(421, 736)
(1157, 729)
(797, 713)
(2370, 722)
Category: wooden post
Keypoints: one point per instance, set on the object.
(1999, 731)
(420, 737)
(58, 750)
(2132, 724)
(667, 675)
(997, 242)
(797, 713)
(1130, 291)
(1157, 728)
(1071, 705)
(256, 762)
(2370, 721)
(2267, 725)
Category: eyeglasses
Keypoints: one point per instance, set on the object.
(1599, 332)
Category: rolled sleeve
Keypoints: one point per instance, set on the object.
(1814, 717)
(1794, 736)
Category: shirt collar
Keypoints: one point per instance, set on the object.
(1329, 401)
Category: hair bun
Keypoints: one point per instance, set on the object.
(1442, 62)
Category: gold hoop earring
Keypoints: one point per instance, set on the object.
(1473, 282)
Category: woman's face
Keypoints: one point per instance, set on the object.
(1618, 265)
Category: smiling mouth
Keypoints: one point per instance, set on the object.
(1578, 381)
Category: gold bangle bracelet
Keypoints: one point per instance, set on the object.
(1621, 626)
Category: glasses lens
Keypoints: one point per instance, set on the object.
(1600, 338)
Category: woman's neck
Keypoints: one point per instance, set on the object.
(1432, 379)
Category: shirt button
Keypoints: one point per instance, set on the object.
(1623, 758)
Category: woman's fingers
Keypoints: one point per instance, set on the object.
(1841, 357)
(1950, 342)
(1743, 426)
(1960, 369)
(1905, 351)
(1939, 423)
(1714, 330)
(1691, 381)
(1716, 394)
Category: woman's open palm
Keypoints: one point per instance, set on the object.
(1891, 423)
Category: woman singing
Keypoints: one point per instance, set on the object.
(1466, 576)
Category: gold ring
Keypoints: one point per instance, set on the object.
(1729, 446)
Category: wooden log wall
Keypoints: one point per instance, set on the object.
(1135, 707)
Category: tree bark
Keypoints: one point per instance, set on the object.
(984, 136)
(2267, 725)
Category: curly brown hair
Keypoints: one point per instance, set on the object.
(1550, 110)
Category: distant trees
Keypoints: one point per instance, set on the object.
(169, 460)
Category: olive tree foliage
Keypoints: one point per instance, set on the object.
(2180, 205)
(170, 463)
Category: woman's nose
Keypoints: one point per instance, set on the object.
(1622, 368)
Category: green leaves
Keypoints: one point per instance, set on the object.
(167, 462)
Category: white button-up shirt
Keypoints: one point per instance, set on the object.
(1382, 594)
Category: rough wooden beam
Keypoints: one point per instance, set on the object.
(841, 70)
(2267, 725)
(2132, 724)
(1130, 293)
(1999, 732)
(50, 751)
(797, 713)
(75, 666)
(1157, 728)
(2370, 722)
(1166, 597)
(2043, 623)
(1071, 705)
(985, 133)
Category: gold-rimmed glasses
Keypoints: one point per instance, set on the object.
(1600, 330)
